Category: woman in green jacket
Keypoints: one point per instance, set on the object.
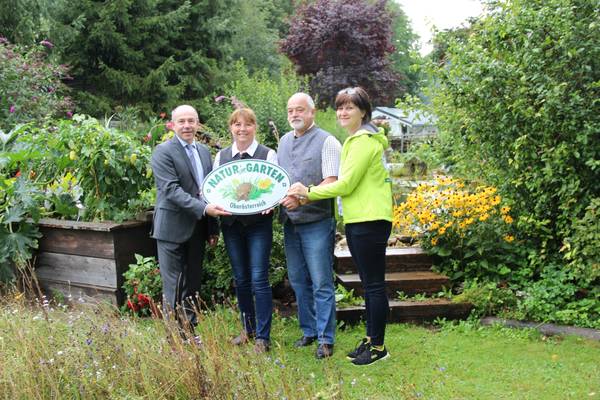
(366, 207)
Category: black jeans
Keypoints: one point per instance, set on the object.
(367, 242)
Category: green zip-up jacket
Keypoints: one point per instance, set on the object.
(363, 184)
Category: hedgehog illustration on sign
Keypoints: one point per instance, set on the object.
(247, 191)
(242, 192)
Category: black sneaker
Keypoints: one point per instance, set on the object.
(370, 355)
(359, 349)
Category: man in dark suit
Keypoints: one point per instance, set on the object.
(183, 220)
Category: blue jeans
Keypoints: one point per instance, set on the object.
(367, 242)
(249, 248)
(309, 255)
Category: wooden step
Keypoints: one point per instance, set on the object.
(411, 283)
(412, 311)
(398, 259)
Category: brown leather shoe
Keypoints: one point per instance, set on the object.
(324, 350)
(261, 346)
(240, 339)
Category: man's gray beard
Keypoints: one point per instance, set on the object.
(297, 125)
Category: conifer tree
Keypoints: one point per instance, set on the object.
(145, 53)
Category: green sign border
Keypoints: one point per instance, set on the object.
(221, 187)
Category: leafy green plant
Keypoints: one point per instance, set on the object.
(400, 295)
(466, 228)
(143, 286)
(31, 87)
(266, 95)
(557, 297)
(110, 168)
(581, 249)
(20, 208)
(19, 201)
(62, 197)
(487, 298)
(346, 298)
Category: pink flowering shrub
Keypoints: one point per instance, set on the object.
(31, 87)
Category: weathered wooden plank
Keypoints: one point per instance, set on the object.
(77, 242)
(76, 269)
(79, 292)
(398, 259)
(545, 329)
(411, 311)
(107, 226)
(410, 283)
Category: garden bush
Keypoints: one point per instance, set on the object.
(143, 286)
(517, 105)
(21, 202)
(267, 96)
(466, 227)
(519, 98)
(105, 171)
(31, 87)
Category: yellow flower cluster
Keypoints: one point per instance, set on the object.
(446, 206)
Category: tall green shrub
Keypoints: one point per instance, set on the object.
(267, 96)
(105, 170)
(138, 52)
(31, 87)
(518, 102)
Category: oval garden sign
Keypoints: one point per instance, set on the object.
(246, 186)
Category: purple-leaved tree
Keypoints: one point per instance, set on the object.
(344, 43)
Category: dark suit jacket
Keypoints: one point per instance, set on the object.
(179, 206)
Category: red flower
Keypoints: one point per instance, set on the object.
(143, 300)
(169, 125)
(163, 115)
(132, 306)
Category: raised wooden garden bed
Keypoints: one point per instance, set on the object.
(80, 259)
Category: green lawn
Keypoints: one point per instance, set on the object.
(92, 352)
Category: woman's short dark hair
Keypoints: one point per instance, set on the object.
(357, 96)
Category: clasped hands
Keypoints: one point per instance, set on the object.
(297, 196)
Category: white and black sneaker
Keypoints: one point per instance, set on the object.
(371, 355)
(362, 346)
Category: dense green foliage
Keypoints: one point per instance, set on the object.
(405, 54)
(20, 208)
(104, 170)
(31, 87)
(265, 95)
(517, 100)
(124, 52)
(153, 55)
(21, 21)
(143, 286)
